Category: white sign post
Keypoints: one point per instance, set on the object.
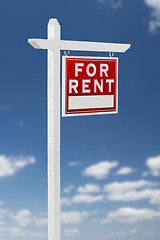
(54, 44)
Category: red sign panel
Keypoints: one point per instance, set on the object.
(90, 85)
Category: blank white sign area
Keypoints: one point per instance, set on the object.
(83, 102)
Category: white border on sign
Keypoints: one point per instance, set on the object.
(64, 90)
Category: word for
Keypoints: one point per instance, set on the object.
(103, 69)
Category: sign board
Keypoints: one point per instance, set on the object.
(89, 86)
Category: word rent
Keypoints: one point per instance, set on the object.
(90, 85)
(91, 72)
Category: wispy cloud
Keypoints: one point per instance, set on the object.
(11, 165)
(116, 3)
(86, 198)
(74, 217)
(89, 188)
(17, 225)
(3, 213)
(130, 185)
(40, 222)
(113, 3)
(74, 164)
(71, 232)
(21, 233)
(66, 202)
(100, 170)
(133, 231)
(145, 174)
(1, 203)
(148, 233)
(125, 171)
(112, 234)
(20, 123)
(68, 189)
(24, 218)
(81, 198)
(22, 224)
(118, 233)
(131, 215)
(154, 22)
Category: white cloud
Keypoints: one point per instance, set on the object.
(127, 191)
(152, 194)
(16, 232)
(154, 165)
(153, 3)
(74, 164)
(155, 196)
(100, 170)
(86, 198)
(65, 202)
(23, 217)
(155, 15)
(130, 185)
(83, 197)
(89, 188)
(10, 165)
(15, 225)
(71, 232)
(68, 189)
(74, 217)
(131, 215)
(125, 171)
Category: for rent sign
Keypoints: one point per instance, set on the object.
(90, 85)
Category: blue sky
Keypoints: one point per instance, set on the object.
(110, 164)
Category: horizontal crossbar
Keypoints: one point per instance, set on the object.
(94, 46)
(79, 45)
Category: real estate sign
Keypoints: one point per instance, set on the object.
(90, 85)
